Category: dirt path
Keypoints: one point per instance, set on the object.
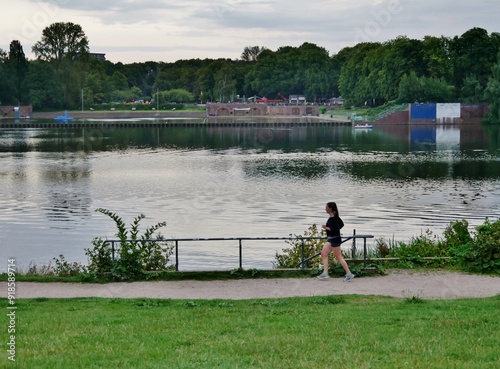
(426, 285)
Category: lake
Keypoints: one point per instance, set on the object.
(392, 181)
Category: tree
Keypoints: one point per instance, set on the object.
(413, 88)
(17, 64)
(225, 83)
(7, 85)
(492, 95)
(437, 58)
(250, 53)
(473, 54)
(62, 41)
(66, 48)
(353, 80)
(43, 87)
(177, 96)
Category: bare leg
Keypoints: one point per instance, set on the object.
(337, 251)
(327, 248)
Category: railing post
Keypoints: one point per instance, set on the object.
(112, 250)
(353, 249)
(302, 254)
(364, 252)
(176, 255)
(241, 254)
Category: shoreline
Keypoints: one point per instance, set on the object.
(78, 119)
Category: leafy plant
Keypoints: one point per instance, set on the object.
(481, 253)
(413, 252)
(64, 268)
(299, 248)
(135, 254)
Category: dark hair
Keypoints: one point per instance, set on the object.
(332, 205)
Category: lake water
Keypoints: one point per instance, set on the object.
(393, 182)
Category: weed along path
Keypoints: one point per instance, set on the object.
(425, 285)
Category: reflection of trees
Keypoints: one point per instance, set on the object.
(465, 169)
(68, 179)
(307, 168)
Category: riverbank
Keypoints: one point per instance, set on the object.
(122, 114)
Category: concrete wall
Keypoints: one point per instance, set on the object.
(294, 110)
(396, 117)
(241, 109)
(448, 113)
(256, 109)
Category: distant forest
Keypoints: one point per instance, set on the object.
(439, 69)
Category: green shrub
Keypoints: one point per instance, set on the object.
(480, 254)
(412, 253)
(64, 268)
(134, 255)
(299, 248)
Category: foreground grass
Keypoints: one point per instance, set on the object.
(316, 332)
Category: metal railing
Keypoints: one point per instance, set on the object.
(303, 263)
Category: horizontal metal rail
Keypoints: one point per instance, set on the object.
(303, 263)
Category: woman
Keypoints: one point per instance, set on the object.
(333, 241)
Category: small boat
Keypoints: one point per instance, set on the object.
(363, 126)
(63, 117)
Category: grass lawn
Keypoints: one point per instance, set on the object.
(315, 332)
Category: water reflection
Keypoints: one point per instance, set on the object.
(392, 181)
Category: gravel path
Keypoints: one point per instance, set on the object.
(426, 285)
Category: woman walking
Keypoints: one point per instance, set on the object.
(333, 242)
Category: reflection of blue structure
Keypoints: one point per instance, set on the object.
(64, 117)
(422, 135)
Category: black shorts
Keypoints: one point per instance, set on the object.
(334, 241)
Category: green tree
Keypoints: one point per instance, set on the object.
(437, 58)
(413, 88)
(225, 82)
(472, 91)
(62, 41)
(402, 56)
(177, 96)
(317, 83)
(473, 54)
(284, 71)
(7, 84)
(43, 87)
(65, 47)
(17, 66)
(492, 95)
(251, 53)
(353, 80)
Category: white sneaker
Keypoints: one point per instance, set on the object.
(348, 277)
(323, 276)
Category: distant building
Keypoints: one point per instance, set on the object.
(98, 56)
(11, 111)
(297, 99)
(336, 101)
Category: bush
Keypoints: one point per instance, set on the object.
(480, 254)
(134, 256)
(292, 256)
(64, 268)
(412, 253)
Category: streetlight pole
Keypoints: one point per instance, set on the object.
(82, 100)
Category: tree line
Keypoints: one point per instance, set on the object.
(440, 69)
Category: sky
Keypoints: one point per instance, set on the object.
(131, 31)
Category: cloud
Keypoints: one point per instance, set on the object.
(168, 30)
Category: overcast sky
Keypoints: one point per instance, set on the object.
(130, 31)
